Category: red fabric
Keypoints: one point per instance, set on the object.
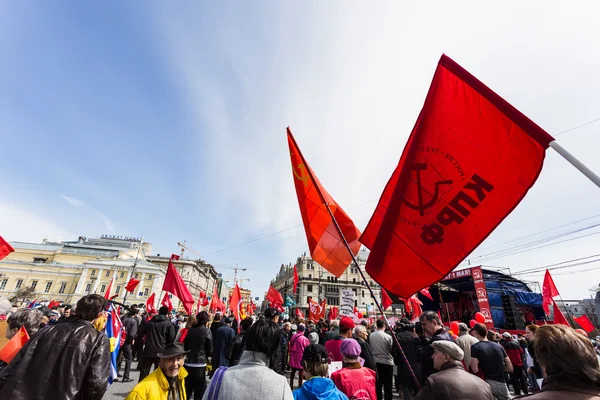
(5, 248)
(166, 301)
(385, 299)
(585, 323)
(326, 246)
(549, 291)
(298, 343)
(13, 346)
(132, 284)
(416, 306)
(316, 310)
(53, 303)
(425, 292)
(468, 162)
(295, 279)
(184, 333)
(333, 349)
(205, 302)
(234, 302)
(333, 313)
(299, 313)
(559, 317)
(150, 304)
(174, 284)
(356, 383)
(109, 288)
(274, 297)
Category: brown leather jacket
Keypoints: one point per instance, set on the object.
(453, 382)
(553, 389)
(68, 361)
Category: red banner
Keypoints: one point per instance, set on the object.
(482, 297)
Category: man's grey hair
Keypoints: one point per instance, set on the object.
(5, 306)
(462, 327)
(335, 324)
(287, 324)
(30, 318)
(358, 329)
(430, 316)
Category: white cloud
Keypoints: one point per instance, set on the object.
(18, 224)
(80, 204)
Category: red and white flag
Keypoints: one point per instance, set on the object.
(174, 284)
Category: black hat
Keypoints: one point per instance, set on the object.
(46, 311)
(173, 350)
(271, 313)
(315, 352)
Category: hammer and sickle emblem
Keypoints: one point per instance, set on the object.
(424, 205)
(303, 176)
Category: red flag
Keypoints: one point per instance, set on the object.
(214, 300)
(326, 246)
(549, 291)
(235, 301)
(5, 248)
(174, 284)
(316, 310)
(299, 313)
(416, 305)
(295, 279)
(54, 303)
(205, 302)
(131, 285)
(470, 159)
(559, 317)
(333, 313)
(385, 299)
(166, 301)
(425, 292)
(150, 304)
(10, 349)
(274, 297)
(585, 323)
(109, 288)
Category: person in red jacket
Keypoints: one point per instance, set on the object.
(515, 353)
(333, 345)
(354, 380)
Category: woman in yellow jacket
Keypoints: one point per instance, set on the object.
(166, 382)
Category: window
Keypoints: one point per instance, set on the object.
(48, 286)
(3, 283)
(107, 274)
(88, 287)
(39, 260)
(63, 286)
(135, 276)
(309, 276)
(309, 288)
(328, 278)
(33, 285)
(122, 274)
(102, 288)
(118, 289)
(93, 272)
(146, 291)
(19, 284)
(355, 303)
(363, 293)
(150, 276)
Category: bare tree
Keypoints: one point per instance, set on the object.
(22, 295)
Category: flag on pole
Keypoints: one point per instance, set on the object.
(132, 284)
(274, 297)
(326, 246)
(289, 301)
(299, 313)
(5, 248)
(10, 349)
(316, 310)
(114, 331)
(295, 279)
(166, 301)
(559, 317)
(174, 284)
(33, 304)
(234, 303)
(54, 303)
(585, 323)
(385, 299)
(470, 159)
(549, 291)
(150, 304)
(109, 288)
(425, 292)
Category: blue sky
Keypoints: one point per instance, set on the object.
(131, 118)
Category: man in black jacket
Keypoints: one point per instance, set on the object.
(404, 382)
(238, 344)
(159, 332)
(64, 361)
(433, 328)
(199, 343)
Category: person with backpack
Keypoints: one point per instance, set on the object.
(298, 343)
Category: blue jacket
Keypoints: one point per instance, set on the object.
(319, 389)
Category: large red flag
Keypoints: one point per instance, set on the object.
(10, 349)
(549, 291)
(316, 310)
(470, 159)
(174, 284)
(585, 323)
(109, 288)
(5, 248)
(295, 279)
(235, 301)
(274, 297)
(326, 246)
(559, 317)
(385, 299)
(150, 304)
(131, 285)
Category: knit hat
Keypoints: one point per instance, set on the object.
(346, 323)
(315, 352)
(301, 328)
(350, 348)
(449, 348)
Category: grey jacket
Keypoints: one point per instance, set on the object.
(252, 379)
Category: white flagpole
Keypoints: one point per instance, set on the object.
(575, 162)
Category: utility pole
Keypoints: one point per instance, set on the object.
(137, 257)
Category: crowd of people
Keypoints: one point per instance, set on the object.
(213, 356)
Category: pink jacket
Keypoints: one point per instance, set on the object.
(297, 344)
(356, 382)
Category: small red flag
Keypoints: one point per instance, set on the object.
(316, 310)
(425, 292)
(5, 248)
(300, 315)
(559, 317)
(109, 288)
(54, 303)
(470, 159)
(326, 246)
(274, 297)
(549, 291)
(585, 323)
(150, 304)
(132, 284)
(235, 301)
(205, 302)
(174, 284)
(385, 299)
(295, 279)
(10, 349)
(166, 301)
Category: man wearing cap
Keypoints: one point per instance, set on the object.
(515, 353)
(465, 341)
(166, 382)
(333, 345)
(315, 362)
(354, 380)
(452, 382)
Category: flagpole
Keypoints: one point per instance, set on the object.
(134, 265)
(339, 230)
(575, 162)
